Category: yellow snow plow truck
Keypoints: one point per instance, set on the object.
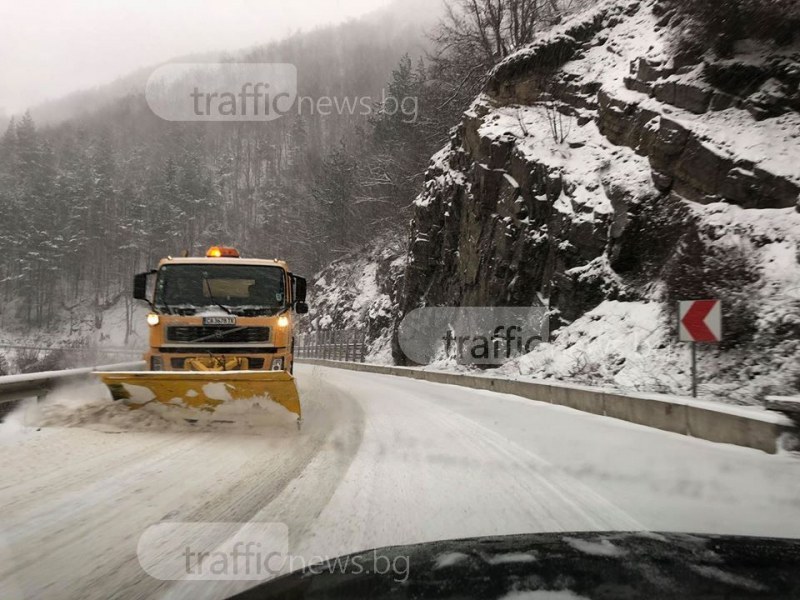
(221, 338)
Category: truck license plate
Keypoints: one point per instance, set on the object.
(219, 320)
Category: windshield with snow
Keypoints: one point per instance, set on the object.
(201, 285)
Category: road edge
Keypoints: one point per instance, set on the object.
(722, 424)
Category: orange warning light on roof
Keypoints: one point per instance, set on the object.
(222, 252)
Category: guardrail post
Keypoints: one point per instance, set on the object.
(363, 346)
(335, 344)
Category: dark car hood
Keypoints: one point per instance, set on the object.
(576, 565)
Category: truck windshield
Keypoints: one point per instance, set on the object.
(233, 286)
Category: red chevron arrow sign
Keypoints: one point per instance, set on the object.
(701, 321)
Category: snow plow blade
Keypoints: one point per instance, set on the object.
(204, 393)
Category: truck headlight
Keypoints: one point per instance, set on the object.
(156, 363)
(277, 364)
(153, 319)
(283, 322)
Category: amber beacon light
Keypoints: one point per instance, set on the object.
(222, 252)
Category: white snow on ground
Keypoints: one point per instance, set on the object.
(618, 344)
(89, 405)
(626, 346)
(380, 461)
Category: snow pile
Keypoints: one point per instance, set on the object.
(630, 347)
(615, 345)
(89, 406)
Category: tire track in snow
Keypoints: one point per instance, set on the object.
(598, 512)
(425, 473)
(74, 535)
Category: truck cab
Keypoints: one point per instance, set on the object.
(221, 312)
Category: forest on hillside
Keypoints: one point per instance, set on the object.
(88, 202)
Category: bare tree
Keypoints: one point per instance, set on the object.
(475, 35)
(491, 29)
(560, 125)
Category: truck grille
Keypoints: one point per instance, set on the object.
(218, 335)
(218, 350)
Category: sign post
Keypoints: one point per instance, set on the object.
(700, 321)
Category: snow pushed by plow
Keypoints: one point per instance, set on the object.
(89, 406)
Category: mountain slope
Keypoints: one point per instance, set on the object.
(609, 163)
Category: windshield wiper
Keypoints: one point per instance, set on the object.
(273, 311)
(214, 300)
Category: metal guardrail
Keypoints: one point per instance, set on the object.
(347, 345)
(98, 349)
(37, 385)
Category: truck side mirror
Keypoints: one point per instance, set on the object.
(301, 308)
(299, 289)
(140, 286)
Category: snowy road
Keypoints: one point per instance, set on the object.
(380, 461)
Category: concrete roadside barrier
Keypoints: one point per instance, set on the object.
(742, 426)
(661, 414)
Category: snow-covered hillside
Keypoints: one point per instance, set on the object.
(361, 292)
(612, 172)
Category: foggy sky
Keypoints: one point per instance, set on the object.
(49, 48)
